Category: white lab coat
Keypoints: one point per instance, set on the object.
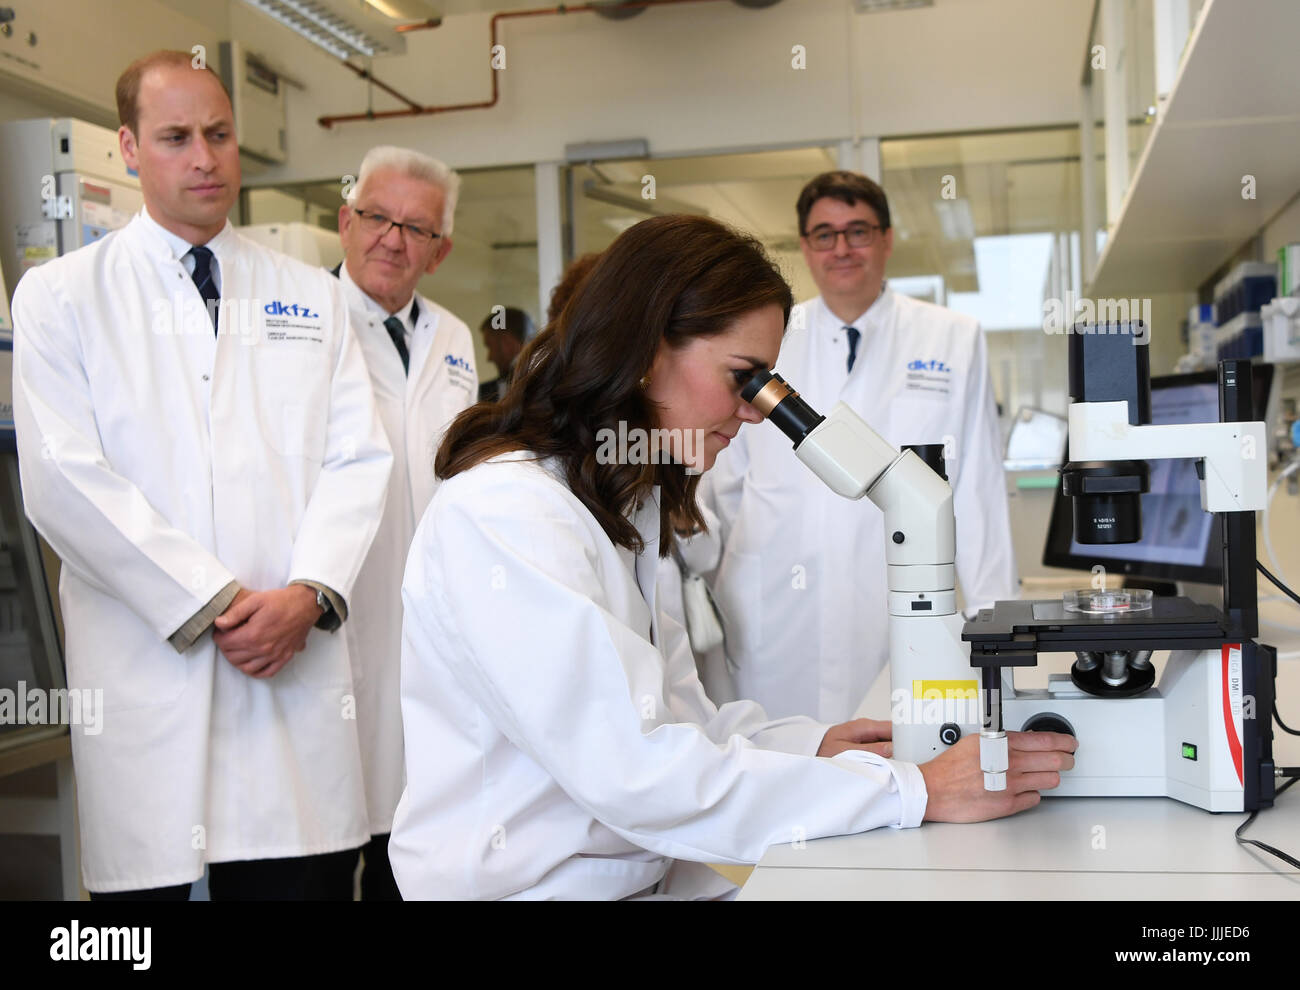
(161, 463)
(552, 749)
(802, 577)
(416, 410)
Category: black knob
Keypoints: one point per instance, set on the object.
(1048, 722)
(899, 537)
(949, 733)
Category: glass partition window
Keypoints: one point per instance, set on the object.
(977, 219)
(494, 258)
(755, 192)
(989, 225)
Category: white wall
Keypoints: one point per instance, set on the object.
(697, 77)
(704, 76)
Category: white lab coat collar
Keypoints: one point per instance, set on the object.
(876, 315)
(178, 247)
(644, 516)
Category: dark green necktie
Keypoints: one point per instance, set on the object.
(398, 332)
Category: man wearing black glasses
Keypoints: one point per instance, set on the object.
(395, 229)
(802, 573)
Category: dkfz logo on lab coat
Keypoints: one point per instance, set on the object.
(931, 365)
(277, 308)
(457, 362)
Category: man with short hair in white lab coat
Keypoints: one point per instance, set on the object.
(801, 578)
(199, 443)
(395, 228)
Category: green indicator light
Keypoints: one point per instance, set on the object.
(1189, 751)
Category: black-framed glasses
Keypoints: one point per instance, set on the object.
(858, 235)
(379, 225)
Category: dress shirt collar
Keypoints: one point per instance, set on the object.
(179, 246)
(873, 317)
(407, 313)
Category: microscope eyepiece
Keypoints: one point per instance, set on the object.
(768, 392)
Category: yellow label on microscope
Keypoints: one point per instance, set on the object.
(946, 690)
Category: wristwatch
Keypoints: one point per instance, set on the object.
(329, 620)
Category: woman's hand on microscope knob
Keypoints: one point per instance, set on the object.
(955, 782)
(870, 734)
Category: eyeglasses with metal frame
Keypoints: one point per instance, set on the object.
(376, 224)
(857, 235)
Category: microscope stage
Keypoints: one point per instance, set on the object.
(1013, 633)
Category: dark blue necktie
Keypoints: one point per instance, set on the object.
(203, 281)
(398, 332)
(854, 333)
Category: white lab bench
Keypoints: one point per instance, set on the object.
(1075, 848)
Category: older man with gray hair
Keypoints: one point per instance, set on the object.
(396, 228)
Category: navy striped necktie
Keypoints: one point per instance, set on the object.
(854, 333)
(205, 283)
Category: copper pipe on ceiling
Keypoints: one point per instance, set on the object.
(365, 74)
(418, 110)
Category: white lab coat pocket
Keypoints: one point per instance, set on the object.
(293, 403)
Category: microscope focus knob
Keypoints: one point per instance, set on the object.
(1048, 722)
(949, 733)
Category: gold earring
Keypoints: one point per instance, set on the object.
(645, 382)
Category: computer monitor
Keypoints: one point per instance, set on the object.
(1180, 541)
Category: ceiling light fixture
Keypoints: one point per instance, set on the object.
(330, 25)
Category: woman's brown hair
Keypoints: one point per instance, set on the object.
(668, 279)
(578, 269)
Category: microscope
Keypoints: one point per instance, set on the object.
(1203, 733)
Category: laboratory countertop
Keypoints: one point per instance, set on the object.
(1077, 848)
